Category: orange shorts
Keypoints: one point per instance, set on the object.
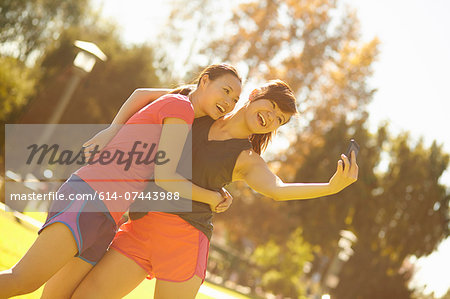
(165, 246)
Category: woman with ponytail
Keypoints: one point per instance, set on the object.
(173, 247)
(77, 233)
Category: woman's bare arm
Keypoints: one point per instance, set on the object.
(138, 99)
(252, 169)
(171, 143)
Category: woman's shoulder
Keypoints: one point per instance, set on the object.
(249, 157)
(168, 101)
(174, 102)
(246, 160)
(170, 105)
(169, 98)
(175, 106)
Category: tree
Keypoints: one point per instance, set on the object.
(190, 26)
(408, 216)
(102, 91)
(16, 85)
(281, 265)
(27, 27)
(100, 94)
(309, 44)
(326, 64)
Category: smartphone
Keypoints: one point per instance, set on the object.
(352, 147)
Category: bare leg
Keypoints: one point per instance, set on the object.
(174, 290)
(53, 248)
(113, 277)
(66, 280)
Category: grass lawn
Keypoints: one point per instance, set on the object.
(15, 239)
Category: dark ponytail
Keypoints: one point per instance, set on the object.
(279, 92)
(183, 89)
(213, 71)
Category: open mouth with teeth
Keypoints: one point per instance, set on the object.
(220, 108)
(261, 119)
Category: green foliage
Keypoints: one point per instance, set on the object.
(178, 49)
(394, 212)
(102, 92)
(309, 44)
(267, 255)
(16, 86)
(26, 30)
(30, 94)
(281, 265)
(29, 25)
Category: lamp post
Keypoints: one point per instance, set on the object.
(82, 65)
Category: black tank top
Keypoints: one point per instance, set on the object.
(213, 163)
(211, 167)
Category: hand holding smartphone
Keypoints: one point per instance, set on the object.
(352, 147)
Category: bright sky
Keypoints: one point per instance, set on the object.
(412, 77)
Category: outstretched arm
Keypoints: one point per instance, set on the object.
(254, 171)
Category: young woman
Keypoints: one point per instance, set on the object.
(173, 247)
(85, 229)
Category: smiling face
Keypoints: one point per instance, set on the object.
(264, 116)
(219, 96)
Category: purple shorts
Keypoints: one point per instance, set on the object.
(91, 225)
